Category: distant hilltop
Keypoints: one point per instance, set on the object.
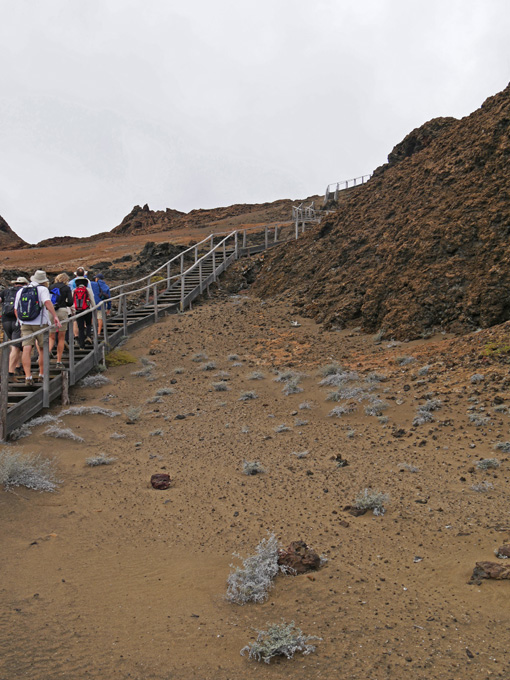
(9, 239)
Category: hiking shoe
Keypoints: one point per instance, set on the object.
(59, 365)
(29, 380)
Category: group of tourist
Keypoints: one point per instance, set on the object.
(30, 306)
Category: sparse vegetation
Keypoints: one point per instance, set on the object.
(222, 375)
(504, 447)
(100, 459)
(291, 387)
(487, 464)
(285, 376)
(305, 405)
(300, 423)
(340, 411)
(479, 420)
(256, 375)
(482, 487)
(330, 369)
(95, 381)
(252, 467)
(404, 360)
(371, 500)
(32, 472)
(133, 414)
(282, 428)
(280, 639)
(116, 435)
(424, 370)
(62, 433)
(300, 454)
(156, 433)
(375, 377)
(199, 356)
(89, 411)
(376, 407)
(164, 391)
(179, 370)
(338, 379)
(119, 357)
(477, 378)
(233, 357)
(209, 366)
(246, 396)
(252, 581)
(408, 467)
(220, 386)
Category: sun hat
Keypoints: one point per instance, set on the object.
(99, 276)
(81, 281)
(39, 277)
(21, 279)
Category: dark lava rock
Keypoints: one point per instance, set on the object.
(160, 481)
(299, 558)
(489, 570)
(503, 551)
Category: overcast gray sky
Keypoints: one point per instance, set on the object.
(197, 104)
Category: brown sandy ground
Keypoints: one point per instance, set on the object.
(108, 578)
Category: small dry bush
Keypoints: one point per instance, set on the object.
(209, 366)
(133, 413)
(220, 386)
(164, 391)
(487, 464)
(89, 411)
(371, 500)
(330, 369)
(291, 387)
(199, 356)
(32, 472)
(280, 639)
(504, 447)
(100, 459)
(246, 396)
(62, 433)
(119, 357)
(95, 381)
(252, 581)
(256, 375)
(252, 467)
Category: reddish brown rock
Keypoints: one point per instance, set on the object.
(299, 558)
(489, 570)
(504, 551)
(160, 481)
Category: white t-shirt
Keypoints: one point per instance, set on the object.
(42, 319)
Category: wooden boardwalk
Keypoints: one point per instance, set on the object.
(135, 305)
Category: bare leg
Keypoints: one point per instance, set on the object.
(60, 346)
(41, 359)
(14, 359)
(26, 360)
(51, 341)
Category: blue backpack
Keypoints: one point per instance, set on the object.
(29, 306)
(56, 294)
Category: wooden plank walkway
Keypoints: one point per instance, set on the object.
(135, 305)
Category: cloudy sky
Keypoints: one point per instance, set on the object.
(105, 104)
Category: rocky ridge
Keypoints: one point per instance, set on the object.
(423, 245)
(8, 238)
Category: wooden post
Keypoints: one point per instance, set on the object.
(182, 292)
(71, 354)
(200, 275)
(95, 337)
(103, 357)
(214, 264)
(236, 246)
(224, 250)
(105, 329)
(46, 364)
(182, 263)
(4, 391)
(155, 299)
(147, 290)
(119, 310)
(266, 235)
(124, 314)
(168, 269)
(244, 238)
(211, 246)
(276, 233)
(196, 253)
(297, 227)
(65, 388)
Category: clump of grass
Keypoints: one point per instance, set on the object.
(237, 363)
(179, 370)
(285, 376)
(145, 372)
(504, 447)
(338, 379)
(133, 413)
(43, 420)
(408, 467)
(291, 387)
(300, 423)
(280, 639)
(252, 467)
(148, 363)
(119, 357)
(220, 386)
(199, 356)
(432, 405)
(89, 411)
(376, 407)
(164, 391)
(330, 369)
(305, 405)
(222, 375)
(256, 375)
(424, 411)
(32, 472)
(252, 581)
(340, 411)
(404, 360)
(233, 357)
(300, 454)
(422, 418)
(478, 420)
(375, 377)
(482, 487)
(246, 396)
(154, 400)
(383, 419)
(487, 464)
(282, 428)
(100, 459)
(95, 381)
(62, 433)
(371, 500)
(424, 370)
(20, 432)
(477, 378)
(116, 435)
(156, 433)
(209, 366)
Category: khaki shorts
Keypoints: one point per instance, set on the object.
(28, 329)
(63, 316)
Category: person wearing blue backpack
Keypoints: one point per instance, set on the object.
(102, 293)
(34, 309)
(62, 300)
(12, 329)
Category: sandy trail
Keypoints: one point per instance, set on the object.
(108, 578)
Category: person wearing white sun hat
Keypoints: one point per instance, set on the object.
(33, 308)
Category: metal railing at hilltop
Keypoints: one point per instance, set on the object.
(332, 190)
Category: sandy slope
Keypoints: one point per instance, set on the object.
(108, 578)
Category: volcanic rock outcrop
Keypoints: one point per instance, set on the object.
(8, 239)
(423, 245)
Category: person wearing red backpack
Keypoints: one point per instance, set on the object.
(81, 302)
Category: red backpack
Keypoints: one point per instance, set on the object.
(81, 299)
